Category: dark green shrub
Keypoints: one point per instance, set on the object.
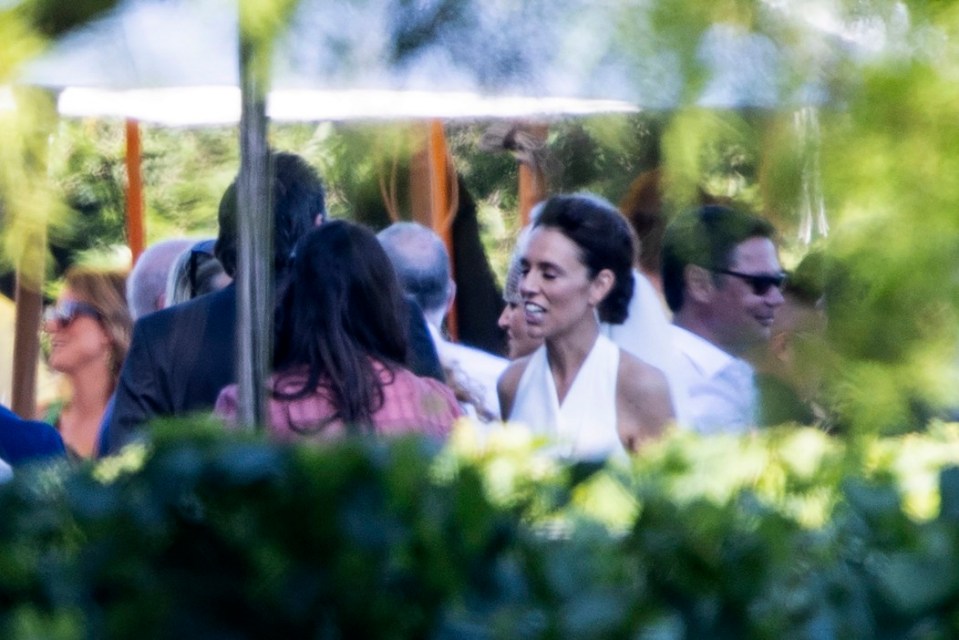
(214, 535)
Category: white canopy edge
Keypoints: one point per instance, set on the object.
(212, 105)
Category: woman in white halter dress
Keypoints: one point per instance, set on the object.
(590, 398)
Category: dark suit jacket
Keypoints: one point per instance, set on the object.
(24, 441)
(181, 357)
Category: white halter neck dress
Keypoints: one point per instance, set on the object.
(584, 425)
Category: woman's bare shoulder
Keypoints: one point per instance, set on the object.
(637, 374)
(643, 401)
(514, 371)
(508, 383)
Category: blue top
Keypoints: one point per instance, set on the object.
(24, 441)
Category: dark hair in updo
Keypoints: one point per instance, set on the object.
(605, 242)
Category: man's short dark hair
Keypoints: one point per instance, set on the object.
(298, 198)
(706, 237)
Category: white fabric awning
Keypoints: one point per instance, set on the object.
(187, 106)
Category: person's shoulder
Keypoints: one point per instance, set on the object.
(407, 383)
(8, 416)
(643, 401)
(163, 320)
(406, 378)
(706, 358)
(639, 374)
(514, 371)
(473, 358)
(200, 304)
(17, 424)
(22, 439)
(434, 386)
(509, 381)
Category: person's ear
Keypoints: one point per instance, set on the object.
(699, 283)
(451, 295)
(600, 286)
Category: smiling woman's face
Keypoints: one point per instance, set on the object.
(556, 288)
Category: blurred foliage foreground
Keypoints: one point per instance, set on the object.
(785, 534)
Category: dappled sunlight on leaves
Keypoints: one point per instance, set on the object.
(797, 471)
(127, 461)
(606, 498)
(28, 202)
(20, 43)
(916, 461)
(754, 536)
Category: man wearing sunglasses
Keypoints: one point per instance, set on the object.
(722, 280)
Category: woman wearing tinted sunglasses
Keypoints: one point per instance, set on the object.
(89, 330)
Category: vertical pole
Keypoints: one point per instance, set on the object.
(532, 180)
(255, 241)
(439, 182)
(421, 179)
(29, 200)
(442, 216)
(135, 226)
(26, 345)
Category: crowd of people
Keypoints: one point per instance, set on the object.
(600, 356)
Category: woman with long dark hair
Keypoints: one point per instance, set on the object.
(341, 347)
(592, 398)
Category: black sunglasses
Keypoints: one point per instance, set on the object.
(760, 282)
(67, 311)
(202, 250)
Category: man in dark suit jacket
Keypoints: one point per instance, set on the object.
(182, 356)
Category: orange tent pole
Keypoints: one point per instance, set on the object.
(421, 187)
(135, 226)
(440, 203)
(532, 180)
(439, 184)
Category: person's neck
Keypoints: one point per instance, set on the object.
(567, 353)
(91, 386)
(697, 325)
(81, 417)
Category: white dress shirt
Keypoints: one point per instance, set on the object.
(475, 369)
(722, 393)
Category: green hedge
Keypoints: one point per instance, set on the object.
(786, 534)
